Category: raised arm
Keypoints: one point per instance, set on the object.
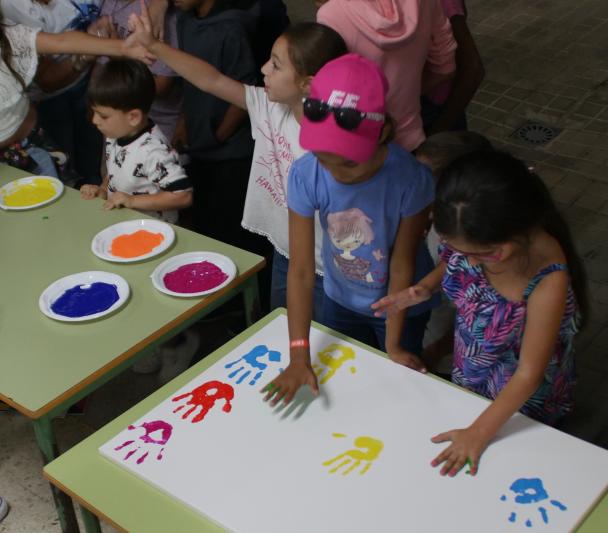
(198, 72)
(545, 311)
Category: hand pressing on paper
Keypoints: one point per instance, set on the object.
(285, 386)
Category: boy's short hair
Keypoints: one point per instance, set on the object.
(441, 149)
(123, 84)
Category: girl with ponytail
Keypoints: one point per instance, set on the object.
(510, 267)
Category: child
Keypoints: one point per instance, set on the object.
(143, 172)
(510, 267)
(373, 200)
(437, 152)
(275, 112)
(21, 141)
(413, 43)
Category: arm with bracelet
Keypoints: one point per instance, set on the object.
(300, 288)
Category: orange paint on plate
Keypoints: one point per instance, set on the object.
(136, 244)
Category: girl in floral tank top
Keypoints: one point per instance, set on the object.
(510, 268)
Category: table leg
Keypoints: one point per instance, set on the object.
(251, 296)
(91, 522)
(63, 503)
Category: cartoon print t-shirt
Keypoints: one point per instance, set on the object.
(145, 164)
(360, 222)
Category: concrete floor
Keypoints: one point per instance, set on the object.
(546, 61)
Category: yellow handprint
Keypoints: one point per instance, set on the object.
(368, 450)
(330, 362)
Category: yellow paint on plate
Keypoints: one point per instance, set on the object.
(39, 190)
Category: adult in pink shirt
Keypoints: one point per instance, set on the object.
(411, 40)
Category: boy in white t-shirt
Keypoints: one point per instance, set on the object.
(143, 172)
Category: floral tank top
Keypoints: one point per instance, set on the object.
(489, 331)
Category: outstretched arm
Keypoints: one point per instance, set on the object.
(77, 42)
(198, 72)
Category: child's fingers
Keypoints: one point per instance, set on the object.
(442, 437)
(313, 384)
(283, 391)
(457, 465)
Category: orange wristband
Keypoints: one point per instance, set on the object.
(299, 343)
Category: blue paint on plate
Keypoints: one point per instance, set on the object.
(84, 300)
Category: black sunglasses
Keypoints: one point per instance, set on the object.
(346, 117)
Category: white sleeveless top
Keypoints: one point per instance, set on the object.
(14, 103)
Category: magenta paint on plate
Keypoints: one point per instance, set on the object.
(195, 277)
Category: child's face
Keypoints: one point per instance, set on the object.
(280, 76)
(478, 254)
(114, 123)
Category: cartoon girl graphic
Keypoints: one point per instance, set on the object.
(349, 230)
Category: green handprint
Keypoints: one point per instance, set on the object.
(367, 450)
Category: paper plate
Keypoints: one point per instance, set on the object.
(83, 280)
(102, 242)
(173, 263)
(35, 184)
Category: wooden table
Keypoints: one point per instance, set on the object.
(130, 504)
(47, 366)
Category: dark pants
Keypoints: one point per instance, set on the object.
(372, 330)
(219, 197)
(65, 119)
(431, 111)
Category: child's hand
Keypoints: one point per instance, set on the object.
(141, 27)
(118, 199)
(393, 303)
(467, 446)
(88, 192)
(285, 386)
(405, 358)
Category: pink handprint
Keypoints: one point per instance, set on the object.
(148, 442)
(201, 397)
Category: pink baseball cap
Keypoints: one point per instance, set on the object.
(350, 81)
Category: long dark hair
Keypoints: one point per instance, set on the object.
(311, 45)
(6, 52)
(490, 197)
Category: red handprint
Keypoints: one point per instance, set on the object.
(200, 397)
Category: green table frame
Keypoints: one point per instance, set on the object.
(47, 366)
(134, 505)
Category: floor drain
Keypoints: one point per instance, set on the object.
(536, 133)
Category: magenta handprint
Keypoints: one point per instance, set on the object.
(148, 441)
(204, 397)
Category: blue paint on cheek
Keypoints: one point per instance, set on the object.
(84, 300)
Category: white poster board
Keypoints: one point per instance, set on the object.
(357, 458)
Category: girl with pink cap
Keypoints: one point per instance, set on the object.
(373, 200)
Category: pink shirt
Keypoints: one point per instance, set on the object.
(403, 37)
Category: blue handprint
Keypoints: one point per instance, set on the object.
(252, 360)
(529, 491)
